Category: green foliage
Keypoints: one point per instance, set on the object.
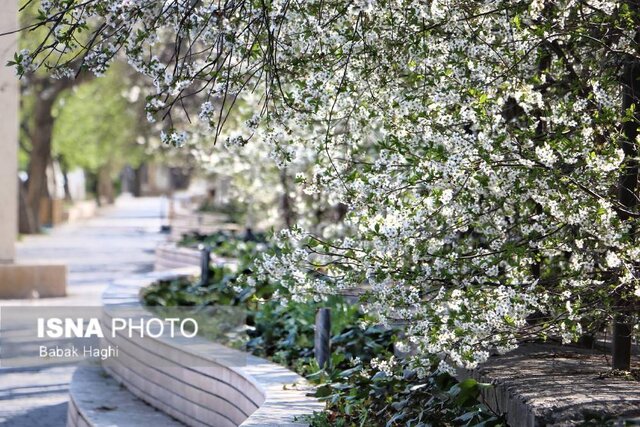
(234, 210)
(223, 288)
(398, 397)
(97, 125)
(284, 332)
(30, 40)
(228, 244)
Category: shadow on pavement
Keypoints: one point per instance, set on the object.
(43, 416)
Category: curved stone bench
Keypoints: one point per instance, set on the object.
(196, 381)
(201, 222)
(169, 256)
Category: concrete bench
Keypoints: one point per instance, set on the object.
(199, 382)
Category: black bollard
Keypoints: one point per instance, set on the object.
(205, 255)
(322, 339)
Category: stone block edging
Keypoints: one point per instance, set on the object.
(554, 385)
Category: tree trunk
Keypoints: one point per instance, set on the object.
(105, 185)
(137, 181)
(92, 185)
(48, 90)
(621, 355)
(65, 182)
(25, 216)
(286, 204)
(40, 155)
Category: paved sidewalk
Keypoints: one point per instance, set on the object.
(119, 242)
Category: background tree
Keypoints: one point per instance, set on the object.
(97, 128)
(39, 93)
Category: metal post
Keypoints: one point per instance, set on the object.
(205, 255)
(165, 220)
(322, 339)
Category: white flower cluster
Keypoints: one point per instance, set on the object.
(460, 157)
(174, 138)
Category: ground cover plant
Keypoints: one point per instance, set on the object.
(233, 211)
(227, 243)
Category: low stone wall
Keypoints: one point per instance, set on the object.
(81, 210)
(32, 280)
(198, 382)
(55, 211)
(201, 222)
(51, 211)
(169, 256)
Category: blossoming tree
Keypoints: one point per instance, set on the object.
(486, 151)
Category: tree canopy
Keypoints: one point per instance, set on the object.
(486, 150)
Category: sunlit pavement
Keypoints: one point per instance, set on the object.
(118, 242)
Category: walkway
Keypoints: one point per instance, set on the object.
(119, 242)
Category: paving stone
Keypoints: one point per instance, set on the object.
(104, 403)
(119, 242)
